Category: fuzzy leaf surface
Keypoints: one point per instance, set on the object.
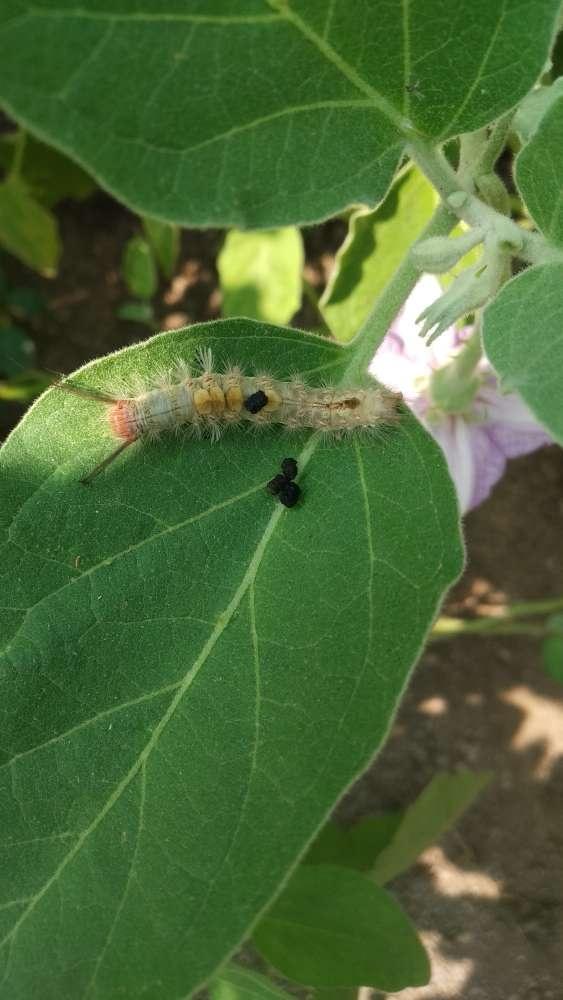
(191, 674)
(259, 114)
(539, 173)
(522, 334)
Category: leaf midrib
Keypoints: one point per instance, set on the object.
(222, 622)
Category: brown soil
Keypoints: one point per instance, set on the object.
(488, 898)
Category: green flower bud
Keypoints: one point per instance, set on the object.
(440, 253)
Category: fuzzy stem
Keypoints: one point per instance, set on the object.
(364, 345)
(494, 145)
(532, 247)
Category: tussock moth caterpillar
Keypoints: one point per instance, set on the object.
(209, 401)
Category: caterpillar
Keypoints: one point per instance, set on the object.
(209, 401)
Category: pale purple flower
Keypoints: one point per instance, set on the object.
(476, 443)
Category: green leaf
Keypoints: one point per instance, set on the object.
(165, 242)
(236, 983)
(534, 107)
(435, 810)
(48, 174)
(17, 350)
(376, 244)
(333, 927)
(356, 847)
(522, 339)
(260, 274)
(25, 386)
(137, 312)
(139, 268)
(192, 674)
(260, 114)
(539, 173)
(552, 648)
(27, 229)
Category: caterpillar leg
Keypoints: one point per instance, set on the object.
(86, 480)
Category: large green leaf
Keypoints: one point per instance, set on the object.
(254, 113)
(522, 337)
(539, 173)
(376, 244)
(333, 927)
(191, 672)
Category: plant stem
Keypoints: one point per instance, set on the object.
(532, 247)
(508, 623)
(450, 628)
(525, 609)
(373, 330)
(494, 145)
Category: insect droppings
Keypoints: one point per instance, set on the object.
(289, 468)
(289, 494)
(275, 484)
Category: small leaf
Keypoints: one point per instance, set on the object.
(469, 259)
(435, 810)
(522, 338)
(137, 312)
(27, 229)
(539, 173)
(139, 269)
(333, 927)
(552, 648)
(533, 108)
(17, 350)
(356, 847)
(164, 239)
(376, 244)
(49, 175)
(260, 274)
(237, 983)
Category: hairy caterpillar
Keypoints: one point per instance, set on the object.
(210, 401)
